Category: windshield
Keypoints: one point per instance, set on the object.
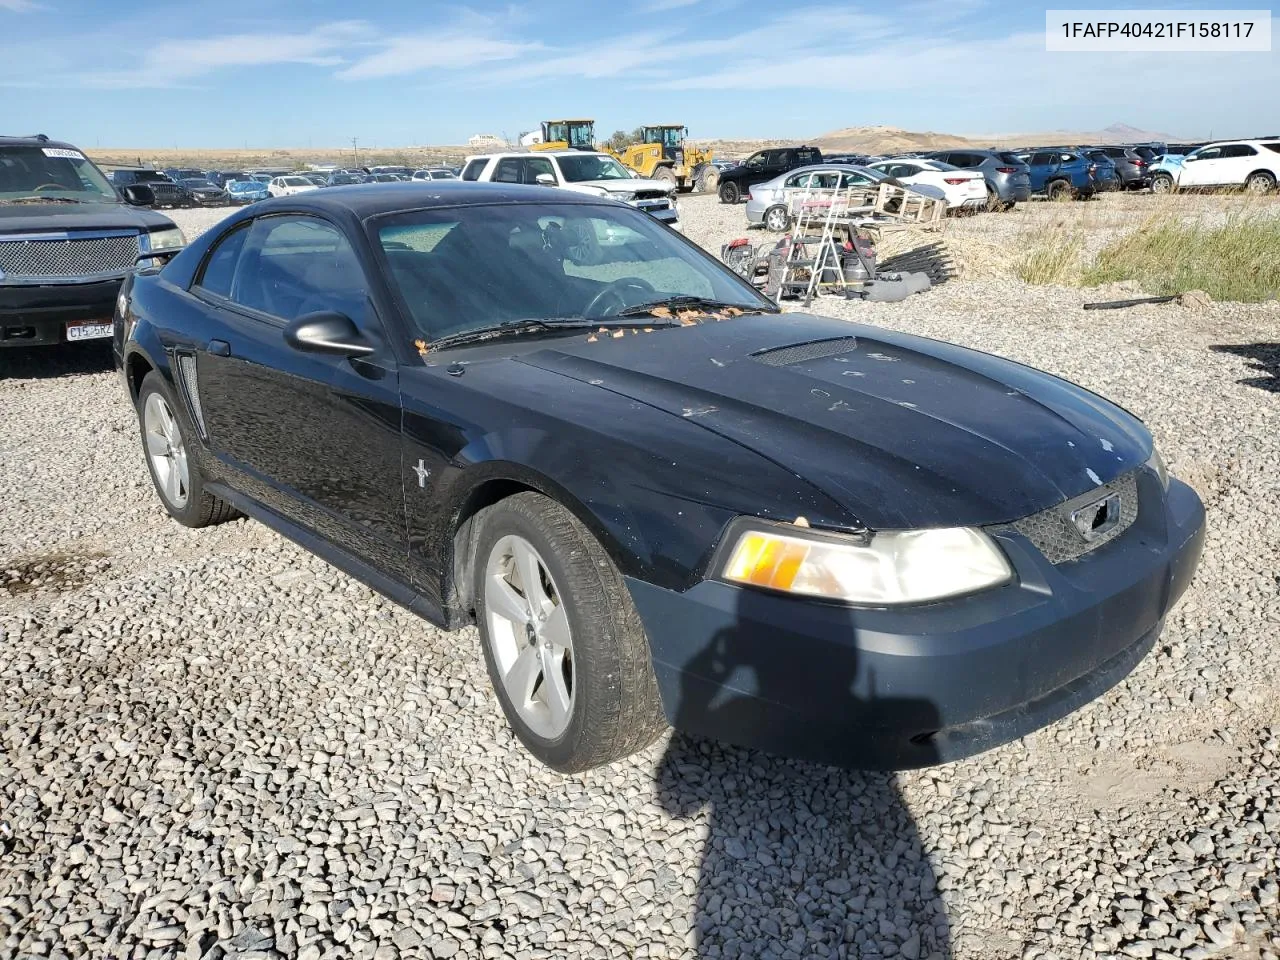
(52, 172)
(296, 182)
(195, 182)
(241, 186)
(339, 178)
(468, 268)
(592, 166)
(667, 136)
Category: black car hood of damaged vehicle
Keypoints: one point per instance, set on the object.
(93, 215)
(902, 430)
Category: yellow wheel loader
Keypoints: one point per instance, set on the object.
(665, 155)
(567, 135)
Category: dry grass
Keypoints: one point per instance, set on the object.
(1231, 251)
(1239, 260)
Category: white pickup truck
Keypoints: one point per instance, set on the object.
(581, 170)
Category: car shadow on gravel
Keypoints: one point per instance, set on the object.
(1265, 359)
(45, 363)
(799, 859)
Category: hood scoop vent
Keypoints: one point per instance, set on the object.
(802, 352)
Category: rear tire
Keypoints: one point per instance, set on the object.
(730, 192)
(607, 696)
(175, 472)
(1162, 183)
(1260, 182)
(993, 200)
(1059, 190)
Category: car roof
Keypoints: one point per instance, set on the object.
(37, 140)
(419, 194)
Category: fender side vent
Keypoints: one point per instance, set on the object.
(190, 383)
(802, 352)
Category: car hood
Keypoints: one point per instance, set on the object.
(901, 430)
(625, 186)
(39, 217)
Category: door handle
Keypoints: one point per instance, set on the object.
(220, 348)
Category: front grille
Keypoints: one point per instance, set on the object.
(652, 206)
(651, 195)
(800, 352)
(1054, 534)
(60, 259)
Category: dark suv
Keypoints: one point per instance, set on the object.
(1133, 165)
(167, 193)
(761, 166)
(67, 239)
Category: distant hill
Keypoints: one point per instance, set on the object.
(1116, 133)
(885, 140)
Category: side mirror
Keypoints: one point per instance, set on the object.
(545, 180)
(138, 195)
(327, 332)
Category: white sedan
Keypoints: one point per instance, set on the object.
(288, 186)
(962, 188)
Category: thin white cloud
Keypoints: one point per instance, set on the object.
(19, 6)
(658, 6)
(171, 62)
(435, 51)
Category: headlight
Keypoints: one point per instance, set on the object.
(887, 567)
(163, 241)
(1156, 463)
(624, 197)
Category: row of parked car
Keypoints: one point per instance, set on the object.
(187, 187)
(999, 179)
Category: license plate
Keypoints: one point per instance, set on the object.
(92, 330)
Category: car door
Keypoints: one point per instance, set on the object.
(508, 170)
(313, 437)
(1199, 167)
(534, 167)
(1238, 161)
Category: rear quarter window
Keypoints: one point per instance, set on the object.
(220, 269)
(473, 169)
(1010, 158)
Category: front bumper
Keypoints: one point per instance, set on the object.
(32, 316)
(895, 689)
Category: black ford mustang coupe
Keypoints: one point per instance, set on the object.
(660, 500)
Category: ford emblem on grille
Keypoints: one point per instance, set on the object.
(1093, 520)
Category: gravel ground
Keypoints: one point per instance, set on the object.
(213, 744)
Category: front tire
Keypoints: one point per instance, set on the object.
(777, 219)
(730, 192)
(665, 175)
(175, 473)
(565, 649)
(1162, 183)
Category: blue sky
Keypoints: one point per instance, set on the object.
(297, 73)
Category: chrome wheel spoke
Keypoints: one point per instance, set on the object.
(523, 677)
(530, 576)
(172, 485)
(554, 690)
(555, 629)
(502, 600)
(157, 444)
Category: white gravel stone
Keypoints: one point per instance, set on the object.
(205, 750)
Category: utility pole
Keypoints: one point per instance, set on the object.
(355, 150)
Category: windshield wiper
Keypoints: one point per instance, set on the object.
(693, 303)
(44, 200)
(519, 328)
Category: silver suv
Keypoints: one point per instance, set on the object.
(1008, 178)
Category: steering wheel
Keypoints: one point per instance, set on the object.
(597, 308)
(48, 186)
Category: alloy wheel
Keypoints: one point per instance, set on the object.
(166, 451)
(529, 636)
